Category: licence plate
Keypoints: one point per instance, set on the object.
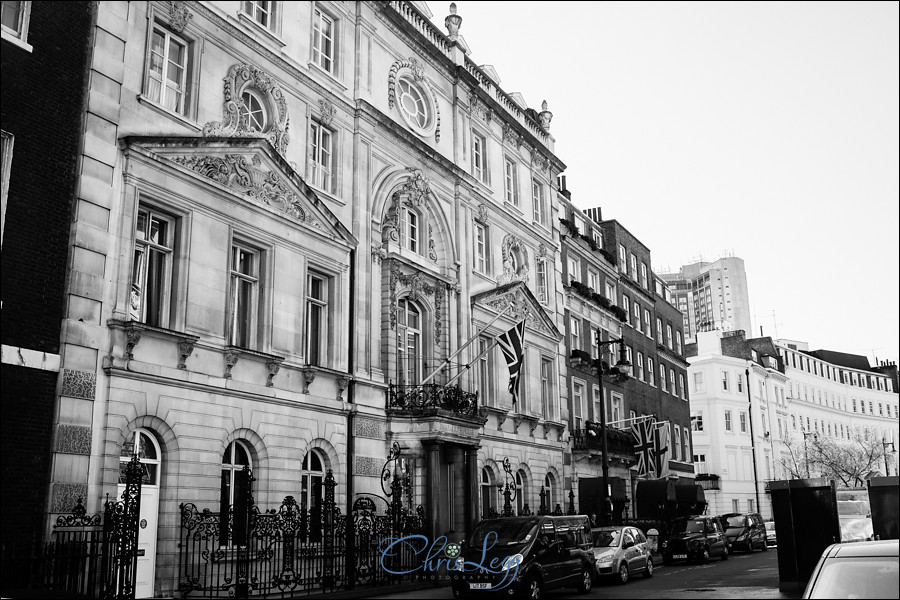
(480, 586)
(679, 556)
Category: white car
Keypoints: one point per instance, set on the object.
(620, 550)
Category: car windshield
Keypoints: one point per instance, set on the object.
(506, 532)
(607, 539)
(738, 521)
(687, 527)
(868, 577)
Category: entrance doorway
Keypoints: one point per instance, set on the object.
(144, 444)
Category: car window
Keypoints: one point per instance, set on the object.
(737, 521)
(692, 526)
(627, 538)
(606, 539)
(639, 536)
(863, 577)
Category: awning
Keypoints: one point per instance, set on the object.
(617, 488)
(689, 493)
(652, 497)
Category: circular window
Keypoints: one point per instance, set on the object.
(253, 112)
(415, 106)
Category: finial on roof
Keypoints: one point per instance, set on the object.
(546, 116)
(452, 22)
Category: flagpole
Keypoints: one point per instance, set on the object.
(447, 362)
(474, 360)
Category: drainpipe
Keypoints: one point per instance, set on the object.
(752, 442)
(351, 413)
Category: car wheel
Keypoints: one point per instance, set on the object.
(623, 573)
(534, 590)
(587, 580)
(648, 572)
(704, 557)
(725, 553)
(765, 547)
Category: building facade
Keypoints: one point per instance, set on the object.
(45, 49)
(291, 220)
(759, 408)
(711, 296)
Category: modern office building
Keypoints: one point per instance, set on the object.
(711, 296)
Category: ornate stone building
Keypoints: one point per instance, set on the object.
(289, 216)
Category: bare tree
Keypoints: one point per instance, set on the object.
(795, 463)
(847, 461)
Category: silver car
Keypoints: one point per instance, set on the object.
(621, 551)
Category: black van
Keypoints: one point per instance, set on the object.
(744, 531)
(524, 556)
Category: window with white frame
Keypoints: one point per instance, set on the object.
(541, 281)
(629, 354)
(254, 112)
(575, 325)
(323, 46)
(725, 381)
(593, 280)
(637, 315)
(700, 463)
(262, 13)
(623, 259)
(728, 426)
(409, 342)
(169, 67)
(743, 419)
(640, 366)
(699, 386)
(322, 143)
(244, 305)
(648, 324)
(644, 280)
(574, 268)
(481, 248)
(611, 292)
(669, 335)
(659, 331)
(672, 389)
(633, 271)
(479, 157)
(651, 374)
(548, 407)
(626, 304)
(697, 421)
(317, 325)
(615, 414)
(410, 229)
(151, 271)
(681, 386)
(577, 404)
(596, 405)
(485, 371)
(677, 453)
(740, 382)
(539, 202)
(662, 377)
(598, 239)
(312, 478)
(15, 19)
(678, 342)
(511, 179)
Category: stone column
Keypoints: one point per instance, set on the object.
(472, 481)
(433, 486)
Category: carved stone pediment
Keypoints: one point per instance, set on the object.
(522, 305)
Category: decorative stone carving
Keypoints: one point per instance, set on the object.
(309, 375)
(514, 253)
(179, 16)
(542, 250)
(234, 120)
(185, 349)
(539, 162)
(379, 253)
(272, 368)
(231, 358)
(73, 439)
(519, 304)
(413, 192)
(512, 136)
(247, 177)
(372, 429)
(501, 418)
(432, 252)
(326, 112)
(368, 466)
(65, 496)
(453, 22)
(479, 109)
(342, 383)
(481, 214)
(545, 116)
(133, 336)
(417, 285)
(79, 384)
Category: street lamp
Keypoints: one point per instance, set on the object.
(884, 447)
(806, 434)
(620, 371)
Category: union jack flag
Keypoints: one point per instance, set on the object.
(512, 344)
(644, 447)
(661, 449)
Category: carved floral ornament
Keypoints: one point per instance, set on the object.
(415, 286)
(410, 92)
(179, 16)
(246, 177)
(326, 112)
(514, 253)
(234, 119)
(412, 193)
(479, 109)
(512, 136)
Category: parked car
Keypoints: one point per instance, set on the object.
(695, 538)
(857, 570)
(621, 550)
(525, 556)
(771, 540)
(744, 531)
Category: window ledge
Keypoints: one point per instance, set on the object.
(317, 71)
(168, 113)
(325, 193)
(17, 41)
(268, 34)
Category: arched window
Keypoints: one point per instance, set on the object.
(487, 494)
(409, 343)
(549, 489)
(520, 493)
(253, 111)
(312, 478)
(142, 443)
(234, 484)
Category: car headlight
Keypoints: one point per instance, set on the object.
(512, 562)
(604, 561)
(743, 537)
(665, 544)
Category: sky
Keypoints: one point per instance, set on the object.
(766, 131)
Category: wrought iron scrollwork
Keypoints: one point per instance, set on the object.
(414, 398)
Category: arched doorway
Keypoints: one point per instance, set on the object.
(144, 444)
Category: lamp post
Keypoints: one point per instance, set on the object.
(620, 371)
(806, 434)
(884, 446)
(753, 440)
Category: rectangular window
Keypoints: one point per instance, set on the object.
(6, 155)
(615, 413)
(623, 259)
(672, 389)
(538, 202)
(633, 271)
(743, 417)
(574, 269)
(409, 229)
(725, 381)
(547, 389)
(322, 141)
(261, 12)
(244, 305)
(15, 18)
(485, 371)
(479, 158)
(697, 422)
(323, 41)
(677, 453)
(640, 366)
(576, 333)
(626, 304)
(595, 396)
(727, 420)
(316, 319)
(611, 292)
(543, 295)
(648, 324)
(735, 505)
(511, 173)
(678, 342)
(167, 71)
(151, 274)
(751, 505)
(659, 331)
(598, 239)
(669, 335)
(740, 383)
(650, 372)
(681, 386)
(593, 280)
(577, 404)
(637, 315)
(644, 281)
(662, 376)
(700, 463)
(481, 244)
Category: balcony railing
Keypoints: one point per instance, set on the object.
(419, 398)
(617, 440)
(707, 481)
